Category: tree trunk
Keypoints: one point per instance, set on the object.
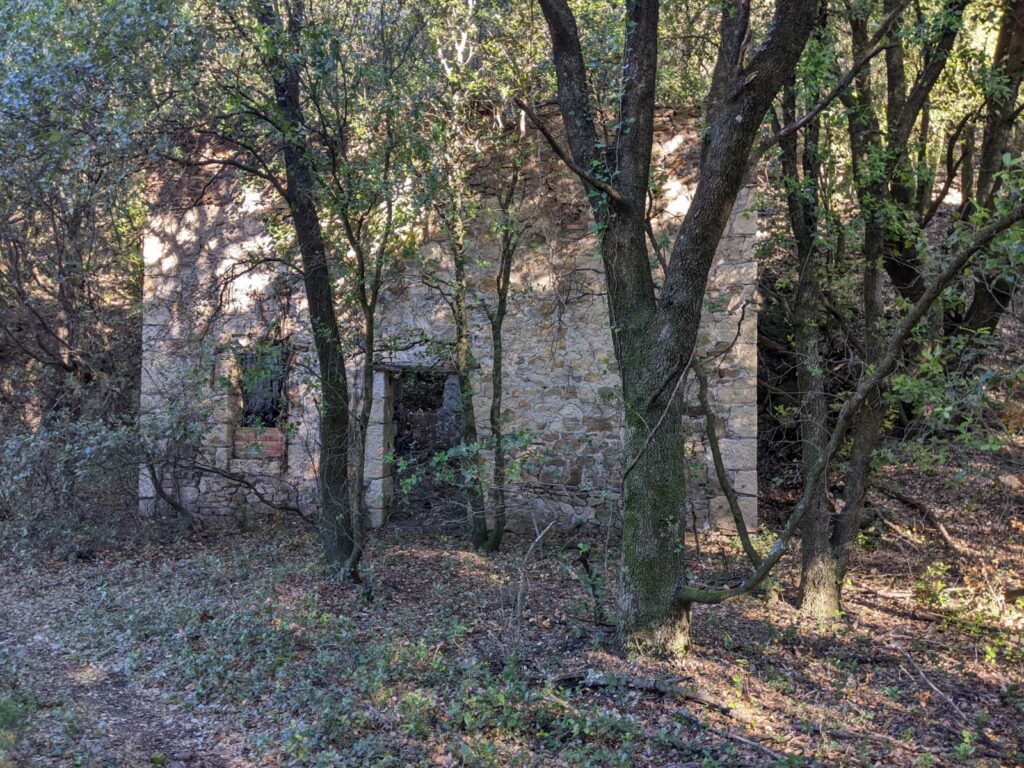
(820, 578)
(654, 335)
(498, 477)
(819, 590)
(510, 234)
(654, 487)
(359, 509)
(992, 297)
(471, 467)
(823, 551)
(651, 618)
(335, 521)
(865, 439)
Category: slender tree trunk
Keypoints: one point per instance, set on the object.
(499, 476)
(824, 549)
(868, 433)
(335, 521)
(866, 438)
(510, 234)
(829, 533)
(819, 582)
(820, 576)
(819, 591)
(359, 508)
(967, 168)
(463, 368)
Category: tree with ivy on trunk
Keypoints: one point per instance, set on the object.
(654, 332)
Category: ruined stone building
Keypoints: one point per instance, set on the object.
(218, 305)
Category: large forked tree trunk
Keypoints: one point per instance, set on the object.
(654, 335)
(335, 522)
(654, 487)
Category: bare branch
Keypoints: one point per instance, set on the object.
(563, 155)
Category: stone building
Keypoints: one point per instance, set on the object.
(229, 386)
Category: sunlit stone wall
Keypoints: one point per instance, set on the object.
(210, 288)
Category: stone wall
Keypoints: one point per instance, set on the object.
(210, 290)
(207, 292)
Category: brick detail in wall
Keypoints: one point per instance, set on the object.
(259, 443)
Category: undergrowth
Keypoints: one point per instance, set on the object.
(328, 692)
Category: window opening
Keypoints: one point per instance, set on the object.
(264, 380)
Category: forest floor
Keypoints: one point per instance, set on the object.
(235, 652)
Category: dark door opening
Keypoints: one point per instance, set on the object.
(427, 422)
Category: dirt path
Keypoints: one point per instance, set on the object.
(69, 711)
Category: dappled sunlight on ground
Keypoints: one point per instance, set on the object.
(238, 652)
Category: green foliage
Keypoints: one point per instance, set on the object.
(321, 691)
(965, 749)
(967, 605)
(14, 714)
(931, 590)
(72, 150)
(68, 487)
(463, 465)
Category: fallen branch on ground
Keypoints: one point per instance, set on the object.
(592, 679)
(942, 694)
(900, 532)
(733, 736)
(928, 515)
(842, 733)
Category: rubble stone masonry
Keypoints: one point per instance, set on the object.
(214, 285)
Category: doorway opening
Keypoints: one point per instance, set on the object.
(426, 422)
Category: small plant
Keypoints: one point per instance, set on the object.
(591, 579)
(417, 712)
(932, 589)
(14, 713)
(965, 748)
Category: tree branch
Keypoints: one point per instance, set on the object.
(887, 363)
(564, 156)
(844, 82)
